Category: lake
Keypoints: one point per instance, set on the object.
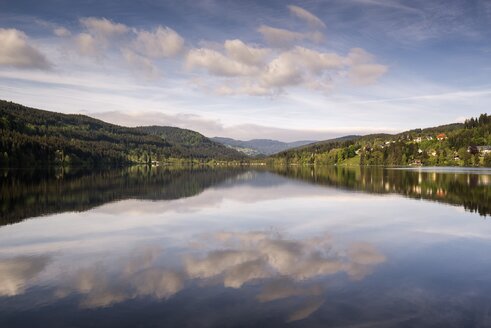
(238, 247)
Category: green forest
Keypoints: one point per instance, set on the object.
(460, 144)
(33, 137)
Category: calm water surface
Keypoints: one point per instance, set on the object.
(297, 247)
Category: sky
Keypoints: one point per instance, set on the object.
(286, 70)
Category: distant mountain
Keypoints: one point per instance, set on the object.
(257, 147)
(30, 137)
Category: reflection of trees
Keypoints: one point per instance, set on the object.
(27, 193)
(472, 191)
(30, 193)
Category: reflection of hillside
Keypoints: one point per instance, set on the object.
(468, 189)
(27, 193)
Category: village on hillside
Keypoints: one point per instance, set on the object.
(432, 147)
(458, 144)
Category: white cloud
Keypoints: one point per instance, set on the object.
(87, 45)
(61, 32)
(306, 310)
(245, 89)
(366, 74)
(310, 18)
(234, 67)
(162, 42)
(236, 59)
(363, 70)
(238, 50)
(252, 75)
(299, 65)
(15, 51)
(140, 64)
(103, 26)
(315, 60)
(216, 63)
(98, 35)
(359, 56)
(282, 71)
(258, 71)
(278, 37)
(139, 49)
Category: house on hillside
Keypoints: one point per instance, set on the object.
(484, 149)
(479, 150)
(441, 136)
(418, 139)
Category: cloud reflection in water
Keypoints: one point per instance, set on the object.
(16, 273)
(282, 267)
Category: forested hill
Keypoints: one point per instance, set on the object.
(191, 142)
(459, 144)
(30, 137)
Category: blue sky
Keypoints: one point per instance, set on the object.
(251, 69)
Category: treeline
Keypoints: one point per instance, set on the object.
(191, 143)
(30, 137)
(460, 144)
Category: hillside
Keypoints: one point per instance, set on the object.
(30, 137)
(191, 143)
(459, 144)
(257, 147)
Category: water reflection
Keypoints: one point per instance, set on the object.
(31, 193)
(135, 275)
(206, 248)
(463, 187)
(282, 267)
(27, 193)
(17, 272)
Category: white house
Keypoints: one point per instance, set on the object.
(484, 149)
